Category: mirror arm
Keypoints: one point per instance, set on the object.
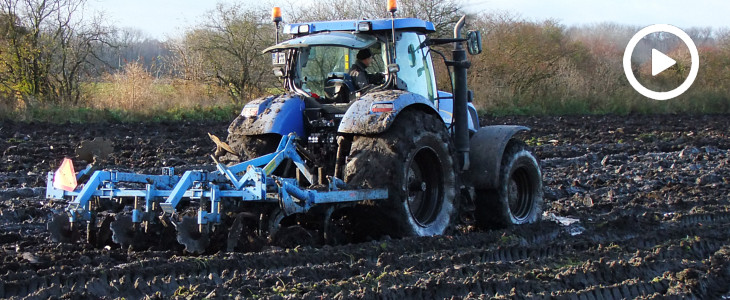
(438, 41)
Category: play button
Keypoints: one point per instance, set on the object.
(660, 62)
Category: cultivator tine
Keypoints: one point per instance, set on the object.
(332, 233)
(240, 230)
(234, 233)
(270, 223)
(189, 235)
(221, 146)
(61, 230)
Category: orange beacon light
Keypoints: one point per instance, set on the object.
(392, 6)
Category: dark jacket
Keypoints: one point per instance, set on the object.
(361, 78)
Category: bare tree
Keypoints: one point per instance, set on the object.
(443, 13)
(75, 45)
(230, 44)
(48, 46)
(184, 62)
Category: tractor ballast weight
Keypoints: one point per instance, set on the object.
(397, 157)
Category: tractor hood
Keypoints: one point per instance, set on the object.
(338, 39)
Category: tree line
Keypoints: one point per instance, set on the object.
(53, 54)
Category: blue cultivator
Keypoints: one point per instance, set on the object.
(163, 197)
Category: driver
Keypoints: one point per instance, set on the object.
(359, 74)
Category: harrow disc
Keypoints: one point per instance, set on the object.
(61, 229)
(190, 236)
(125, 233)
(293, 236)
(284, 233)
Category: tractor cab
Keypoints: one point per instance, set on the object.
(317, 62)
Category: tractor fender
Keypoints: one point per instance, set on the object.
(281, 114)
(361, 119)
(485, 154)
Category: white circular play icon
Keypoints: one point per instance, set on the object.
(661, 62)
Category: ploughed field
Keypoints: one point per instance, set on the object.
(648, 198)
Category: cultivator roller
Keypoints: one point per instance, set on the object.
(232, 205)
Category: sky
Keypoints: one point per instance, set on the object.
(164, 19)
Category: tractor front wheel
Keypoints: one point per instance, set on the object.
(414, 160)
(248, 146)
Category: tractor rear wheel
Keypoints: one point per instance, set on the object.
(414, 160)
(519, 198)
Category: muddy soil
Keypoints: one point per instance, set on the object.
(651, 196)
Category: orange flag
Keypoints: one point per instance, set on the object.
(65, 177)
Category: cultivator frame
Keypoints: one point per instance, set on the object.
(254, 184)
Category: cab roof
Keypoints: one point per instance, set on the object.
(338, 39)
(409, 24)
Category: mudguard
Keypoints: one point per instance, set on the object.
(485, 154)
(281, 114)
(360, 119)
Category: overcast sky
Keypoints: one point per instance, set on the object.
(169, 18)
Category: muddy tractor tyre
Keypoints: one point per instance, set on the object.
(414, 160)
(249, 146)
(519, 198)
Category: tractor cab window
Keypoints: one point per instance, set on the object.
(416, 67)
(321, 69)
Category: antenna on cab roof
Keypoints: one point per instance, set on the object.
(392, 8)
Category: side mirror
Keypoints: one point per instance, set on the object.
(474, 42)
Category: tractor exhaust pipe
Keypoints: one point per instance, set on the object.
(461, 129)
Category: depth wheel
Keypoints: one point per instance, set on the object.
(104, 233)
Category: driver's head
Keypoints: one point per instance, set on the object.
(365, 56)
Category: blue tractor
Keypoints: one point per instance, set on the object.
(424, 145)
(346, 152)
